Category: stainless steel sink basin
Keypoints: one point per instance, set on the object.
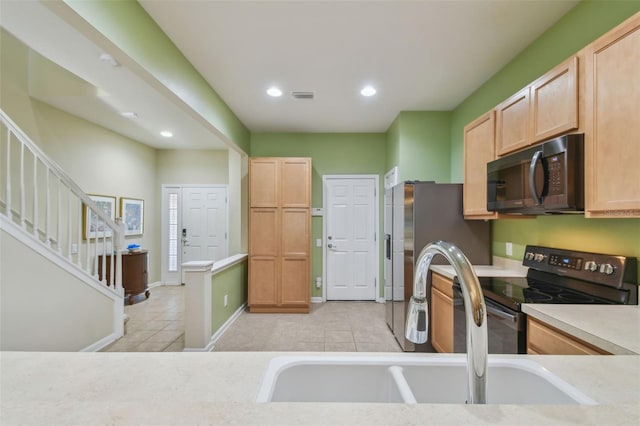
(434, 380)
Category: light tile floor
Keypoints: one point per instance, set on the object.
(157, 325)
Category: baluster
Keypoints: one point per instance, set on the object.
(79, 236)
(104, 259)
(47, 208)
(35, 196)
(69, 224)
(59, 221)
(95, 253)
(22, 195)
(8, 204)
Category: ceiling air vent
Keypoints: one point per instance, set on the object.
(302, 95)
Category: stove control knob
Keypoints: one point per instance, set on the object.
(538, 257)
(606, 268)
(591, 266)
(528, 255)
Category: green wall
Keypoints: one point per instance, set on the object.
(233, 283)
(580, 26)
(420, 145)
(331, 153)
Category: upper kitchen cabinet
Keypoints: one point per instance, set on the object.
(545, 108)
(512, 119)
(612, 123)
(264, 182)
(479, 149)
(554, 101)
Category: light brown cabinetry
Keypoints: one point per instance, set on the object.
(441, 313)
(479, 149)
(542, 339)
(545, 108)
(279, 234)
(612, 123)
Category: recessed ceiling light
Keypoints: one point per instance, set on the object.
(129, 114)
(166, 134)
(274, 92)
(108, 59)
(368, 91)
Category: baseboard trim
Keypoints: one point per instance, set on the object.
(380, 300)
(317, 300)
(223, 328)
(101, 344)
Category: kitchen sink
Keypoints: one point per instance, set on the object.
(432, 380)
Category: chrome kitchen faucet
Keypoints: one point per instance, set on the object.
(417, 324)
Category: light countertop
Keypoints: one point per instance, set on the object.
(220, 388)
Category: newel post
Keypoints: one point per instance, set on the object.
(197, 321)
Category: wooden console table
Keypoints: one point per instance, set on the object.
(134, 273)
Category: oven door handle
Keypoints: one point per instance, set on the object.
(499, 312)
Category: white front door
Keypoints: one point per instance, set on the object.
(194, 223)
(351, 228)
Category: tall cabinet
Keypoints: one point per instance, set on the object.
(279, 234)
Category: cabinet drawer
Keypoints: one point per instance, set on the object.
(544, 339)
(445, 285)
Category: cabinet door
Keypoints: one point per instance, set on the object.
(479, 149)
(263, 281)
(554, 101)
(441, 321)
(296, 182)
(295, 232)
(295, 285)
(442, 313)
(612, 123)
(264, 232)
(512, 123)
(263, 182)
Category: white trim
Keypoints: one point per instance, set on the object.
(391, 178)
(101, 344)
(226, 263)
(380, 300)
(376, 220)
(317, 300)
(223, 328)
(158, 284)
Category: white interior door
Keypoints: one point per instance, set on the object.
(194, 223)
(204, 224)
(351, 224)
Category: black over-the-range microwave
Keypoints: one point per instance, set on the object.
(546, 178)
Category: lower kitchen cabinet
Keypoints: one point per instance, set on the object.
(441, 313)
(543, 339)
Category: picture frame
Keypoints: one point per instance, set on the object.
(92, 226)
(132, 214)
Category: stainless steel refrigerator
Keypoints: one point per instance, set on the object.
(423, 212)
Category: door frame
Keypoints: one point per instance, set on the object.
(376, 221)
(164, 222)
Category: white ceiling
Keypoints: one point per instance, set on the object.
(421, 55)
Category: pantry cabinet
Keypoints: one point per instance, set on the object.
(543, 339)
(612, 123)
(441, 313)
(545, 108)
(279, 234)
(479, 149)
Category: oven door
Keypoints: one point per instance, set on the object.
(506, 328)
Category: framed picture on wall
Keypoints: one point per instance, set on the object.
(132, 213)
(92, 225)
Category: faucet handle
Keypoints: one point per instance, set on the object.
(417, 324)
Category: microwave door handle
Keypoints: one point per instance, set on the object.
(532, 178)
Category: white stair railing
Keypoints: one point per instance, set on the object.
(39, 197)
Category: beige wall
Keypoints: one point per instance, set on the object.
(26, 304)
(192, 167)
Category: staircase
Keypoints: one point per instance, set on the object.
(54, 241)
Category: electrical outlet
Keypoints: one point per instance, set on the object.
(318, 242)
(509, 249)
(74, 249)
(226, 300)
